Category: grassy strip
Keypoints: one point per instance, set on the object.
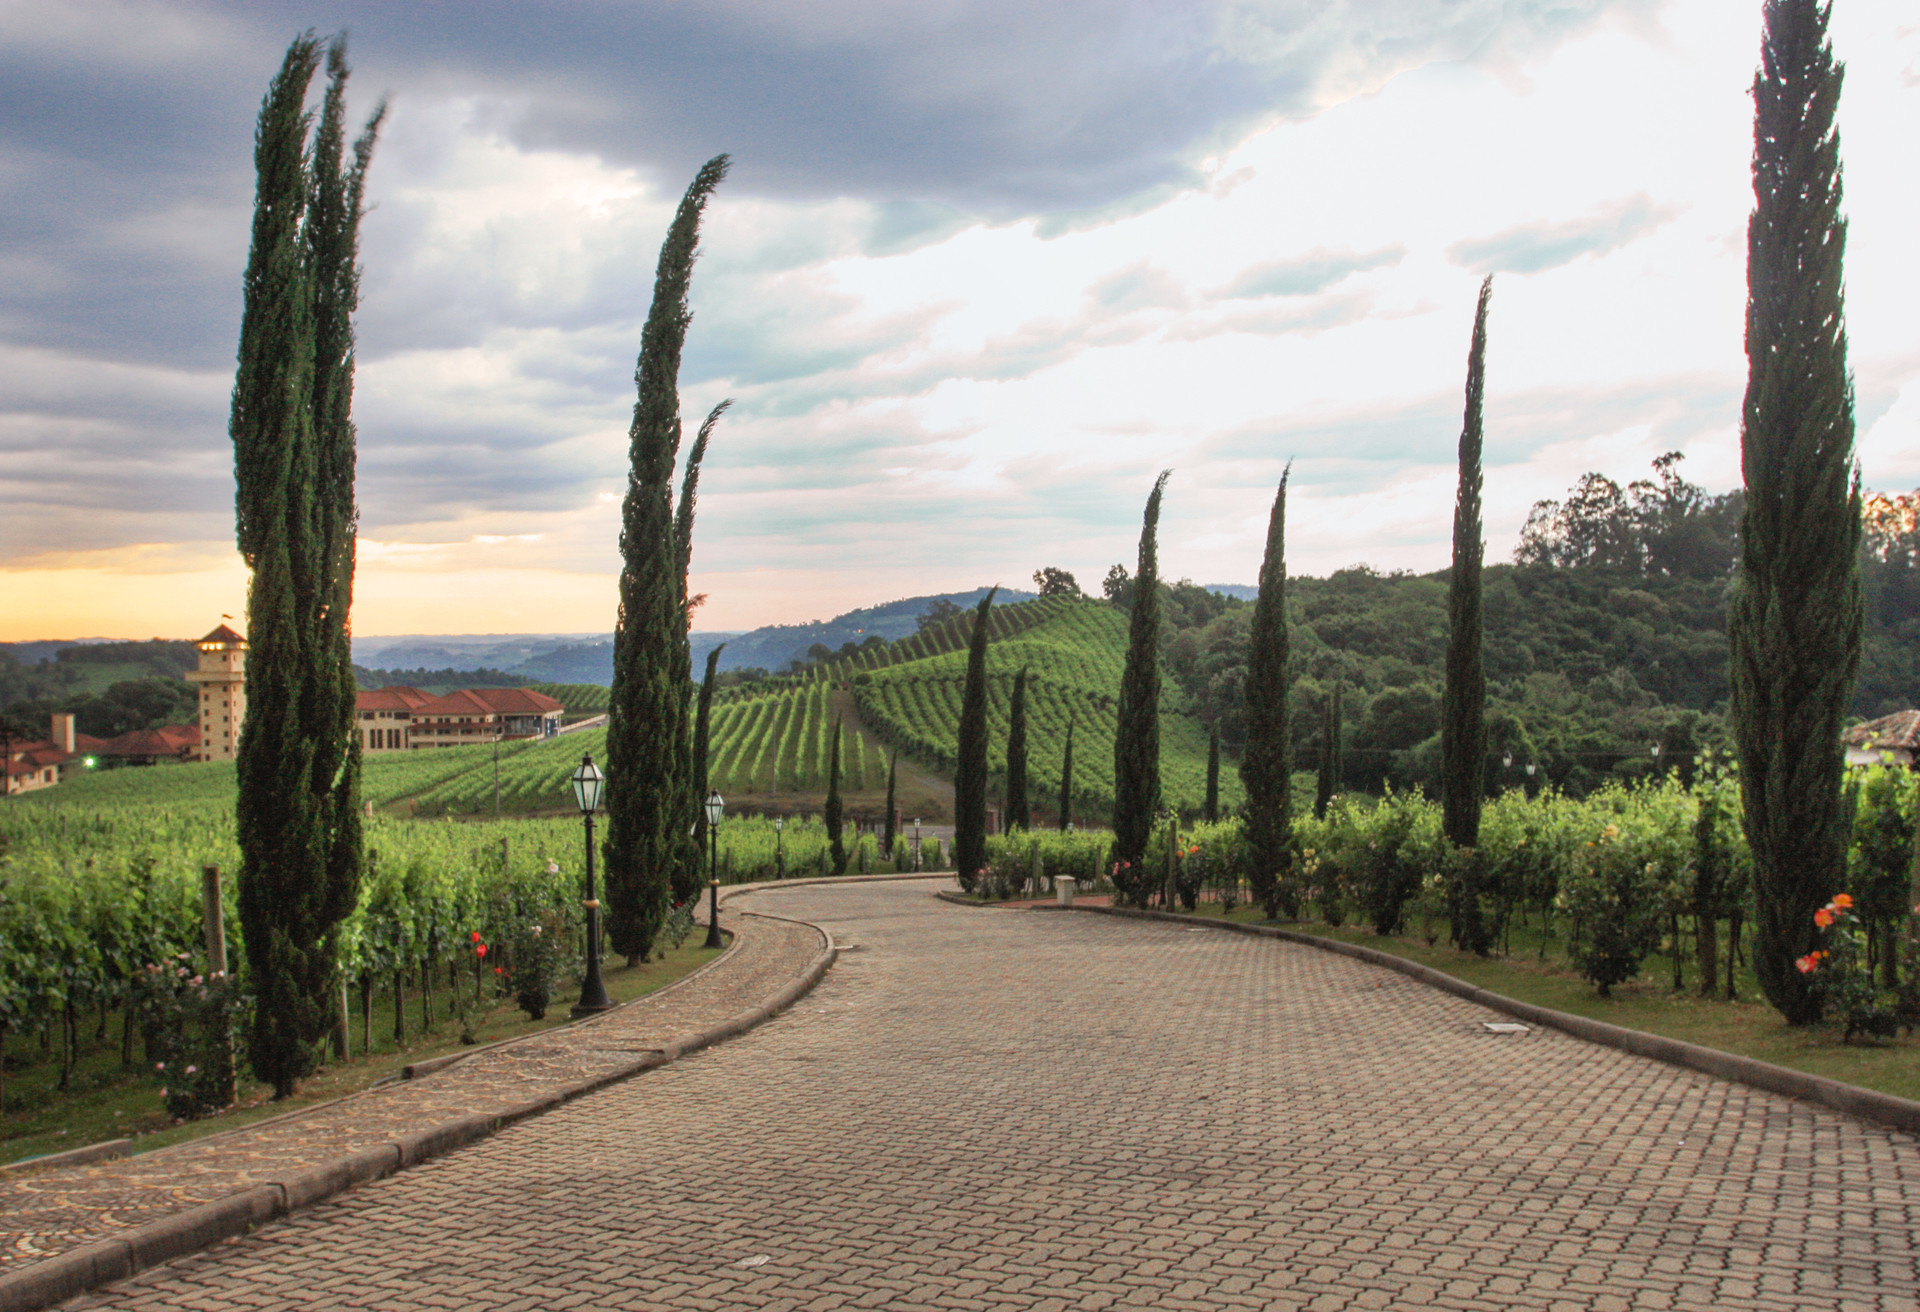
(106, 1102)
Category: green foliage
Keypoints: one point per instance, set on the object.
(1211, 810)
(1794, 631)
(298, 758)
(1019, 814)
(702, 782)
(1463, 723)
(1266, 764)
(650, 805)
(1074, 657)
(1066, 777)
(833, 810)
(892, 822)
(970, 751)
(1136, 740)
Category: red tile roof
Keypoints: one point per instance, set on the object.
(397, 698)
(167, 740)
(517, 701)
(1900, 730)
(224, 634)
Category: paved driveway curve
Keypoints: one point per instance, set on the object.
(996, 1109)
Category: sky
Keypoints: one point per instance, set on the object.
(982, 268)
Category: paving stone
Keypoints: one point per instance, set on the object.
(998, 1109)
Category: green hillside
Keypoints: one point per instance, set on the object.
(1074, 655)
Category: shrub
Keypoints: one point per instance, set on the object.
(1613, 899)
(189, 1023)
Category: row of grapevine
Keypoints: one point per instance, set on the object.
(580, 699)
(1074, 662)
(780, 742)
(100, 879)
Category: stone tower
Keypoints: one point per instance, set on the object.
(222, 677)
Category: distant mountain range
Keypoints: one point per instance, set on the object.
(588, 657)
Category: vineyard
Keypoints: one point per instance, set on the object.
(774, 737)
(580, 699)
(1074, 655)
(100, 882)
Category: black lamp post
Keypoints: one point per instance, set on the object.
(587, 782)
(716, 808)
(779, 852)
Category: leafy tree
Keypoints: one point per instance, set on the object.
(1266, 763)
(648, 761)
(1066, 777)
(1117, 587)
(1213, 775)
(298, 766)
(1054, 582)
(1463, 719)
(1136, 742)
(936, 614)
(833, 811)
(1794, 630)
(1019, 814)
(1659, 527)
(970, 772)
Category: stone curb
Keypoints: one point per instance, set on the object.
(1884, 1109)
(731, 890)
(93, 1152)
(74, 1272)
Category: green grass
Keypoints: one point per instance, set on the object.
(106, 1102)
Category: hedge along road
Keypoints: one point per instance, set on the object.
(987, 1108)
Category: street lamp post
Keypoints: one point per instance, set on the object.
(779, 852)
(716, 807)
(587, 782)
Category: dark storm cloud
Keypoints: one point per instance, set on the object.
(126, 142)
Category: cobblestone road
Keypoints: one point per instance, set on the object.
(989, 1109)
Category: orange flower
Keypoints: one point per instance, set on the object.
(1823, 917)
(476, 936)
(1809, 963)
(1843, 900)
(480, 951)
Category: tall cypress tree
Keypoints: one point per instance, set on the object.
(970, 772)
(893, 807)
(702, 723)
(1794, 629)
(648, 761)
(1266, 761)
(1136, 739)
(1019, 814)
(835, 809)
(333, 248)
(1329, 755)
(1463, 712)
(1463, 717)
(1066, 777)
(685, 877)
(1213, 775)
(292, 431)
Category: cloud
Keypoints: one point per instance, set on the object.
(1537, 247)
(1310, 273)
